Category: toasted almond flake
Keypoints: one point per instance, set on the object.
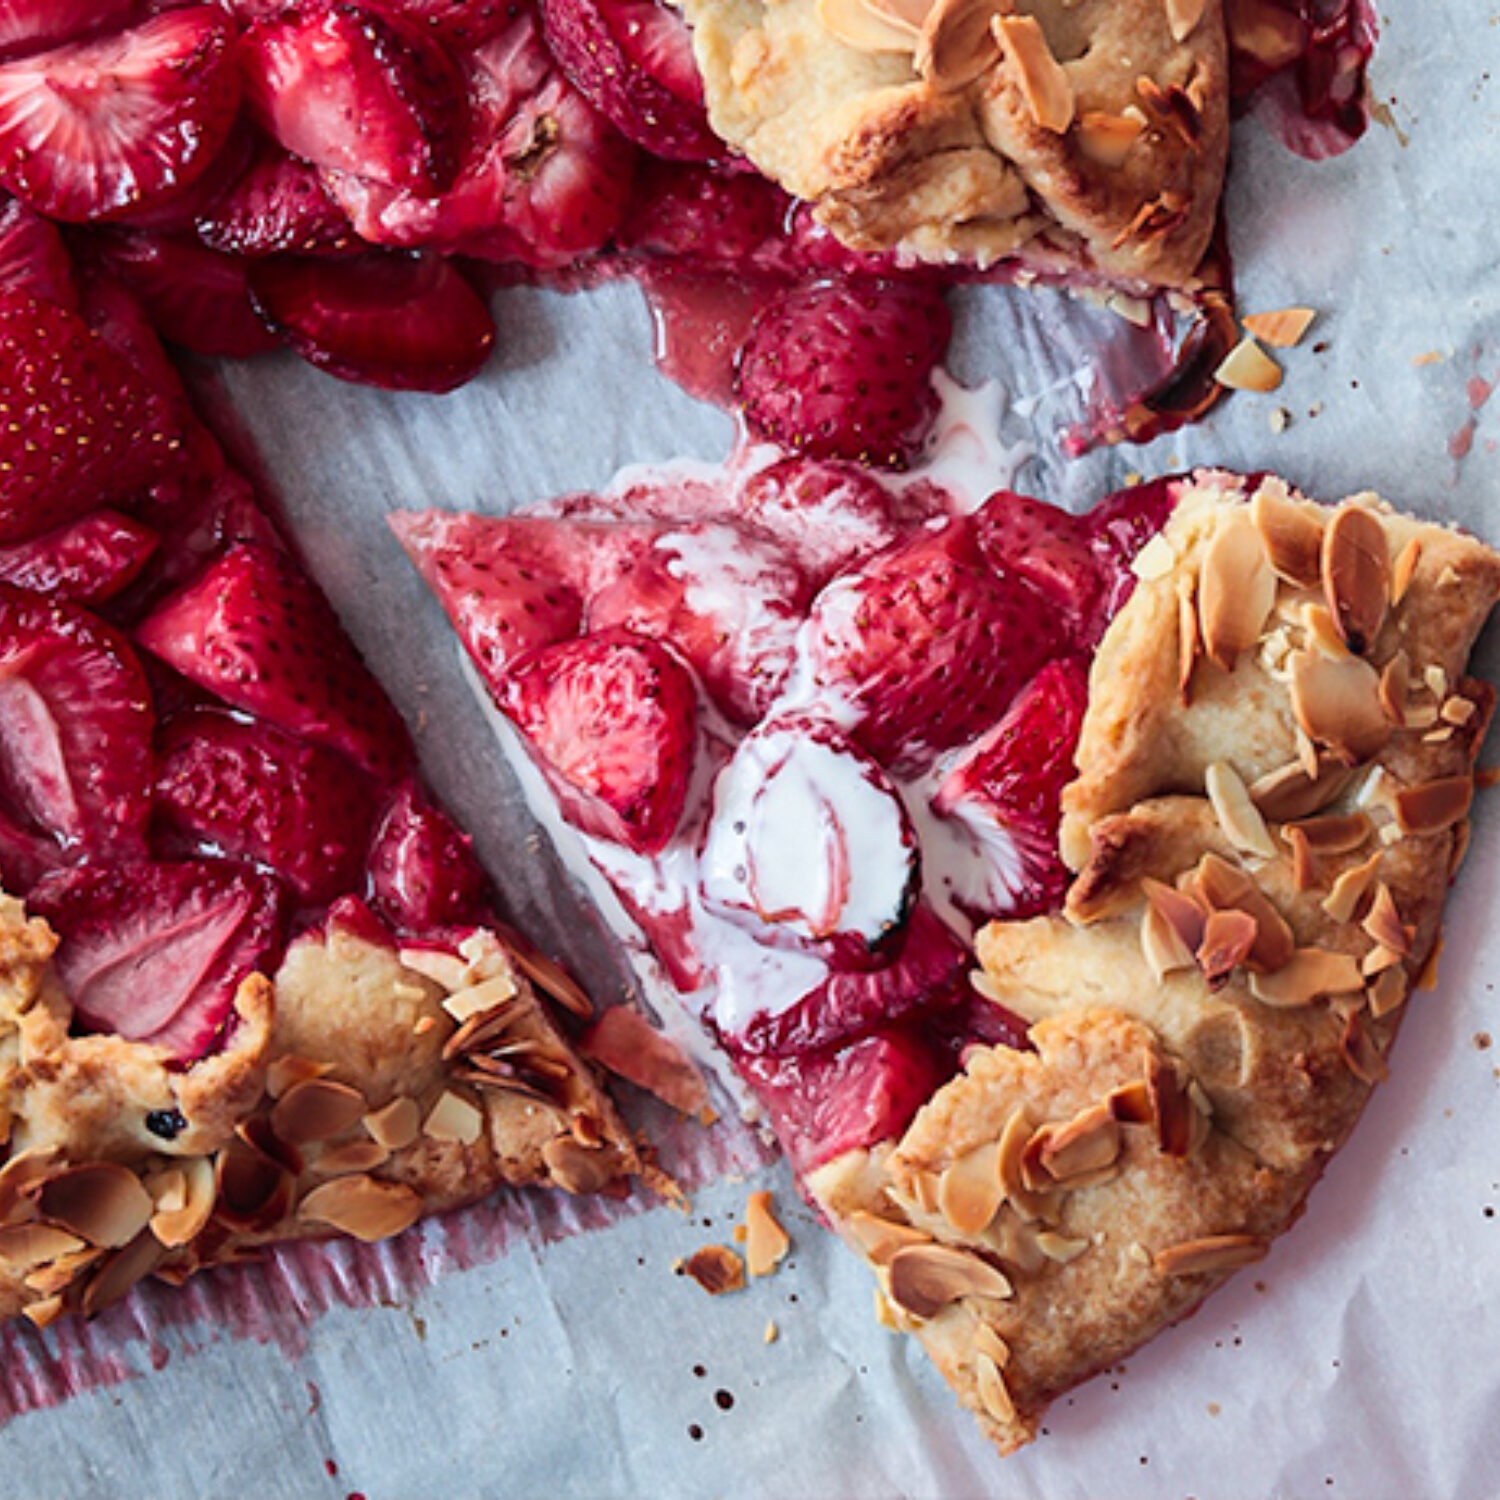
(396, 1125)
(1189, 638)
(1337, 703)
(359, 1155)
(26, 1246)
(1436, 679)
(1420, 715)
(1387, 991)
(990, 1344)
(1155, 560)
(1322, 633)
(479, 999)
(45, 1311)
(1247, 367)
(249, 1184)
(924, 1279)
(1060, 1248)
(1048, 91)
(1349, 888)
(578, 1169)
(1356, 575)
(423, 1025)
(1086, 1144)
(1238, 816)
(1228, 937)
(168, 1188)
(772, 1332)
(1305, 871)
(119, 1272)
(453, 1118)
(1027, 1200)
(1282, 329)
(1107, 138)
(1439, 736)
(1434, 805)
(1292, 535)
(879, 1238)
(866, 28)
(1383, 923)
(445, 969)
(717, 1269)
(994, 1394)
(21, 1173)
(1395, 684)
(178, 1223)
(316, 1109)
(1404, 569)
(1181, 913)
(289, 1069)
(1178, 1112)
(970, 1191)
(61, 1274)
(1163, 947)
(1337, 833)
(766, 1242)
(1130, 1103)
(364, 1207)
(1361, 1052)
(1210, 1255)
(101, 1202)
(1236, 589)
(1220, 886)
(1289, 793)
(1457, 711)
(1312, 974)
(1308, 754)
(1378, 960)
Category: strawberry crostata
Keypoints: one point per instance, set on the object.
(1191, 775)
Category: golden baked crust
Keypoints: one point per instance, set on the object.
(1216, 1003)
(353, 1096)
(1088, 136)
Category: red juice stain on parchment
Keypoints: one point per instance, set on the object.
(1479, 390)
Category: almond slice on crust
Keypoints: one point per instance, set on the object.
(957, 42)
(924, 1279)
(1210, 1255)
(1337, 703)
(102, 1202)
(866, 28)
(1312, 974)
(362, 1206)
(1292, 535)
(1048, 91)
(1236, 589)
(1356, 568)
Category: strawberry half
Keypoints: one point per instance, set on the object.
(1052, 550)
(33, 257)
(242, 789)
(842, 369)
(82, 428)
(32, 25)
(86, 561)
(611, 721)
(95, 128)
(926, 645)
(401, 322)
(423, 873)
(277, 205)
(75, 732)
(252, 629)
(155, 952)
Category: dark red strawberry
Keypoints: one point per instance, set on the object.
(1052, 550)
(423, 873)
(155, 952)
(115, 313)
(633, 61)
(252, 629)
(195, 297)
(95, 128)
(33, 257)
(1006, 793)
(706, 218)
(842, 369)
(82, 429)
(611, 722)
(402, 322)
(75, 730)
(1120, 525)
(459, 24)
(926, 645)
(975, 1021)
(347, 89)
(500, 603)
(242, 789)
(278, 205)
(34, 25)
(87, 560)
(825, 1103)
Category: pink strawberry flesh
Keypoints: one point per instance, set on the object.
(75, 732)
(455, 24)
(38, 25)
(33, 257)
(243, 790)
(926, 645)
(402, 322)
(611, 721)
(348, 89)
(702, 218)
(423, 873)
(1007, 792)
(825, 1103)
(1120, 525)
(155, 952)
(277, 205)
(87, 560)
(842, 369)
(83, 429)
(1052, 551)
(633, 61)
(98, 127)
(252, 629)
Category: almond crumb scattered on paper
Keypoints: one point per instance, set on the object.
(1282, 329)
(716, 1268)
(1431, 357)
(772, 1332)
(1279, 419)
(1247, 367)
(766, 1241)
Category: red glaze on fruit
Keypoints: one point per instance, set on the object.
(39, 25)
(422, 871)
(86, 561)
(277, 205)
(33, 257)
(1051, 550)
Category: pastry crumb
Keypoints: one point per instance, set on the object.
(772, 1332)
(716, 1268)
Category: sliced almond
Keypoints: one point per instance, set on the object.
(291, 1068)
(454, 1118)
(1236, 589)
(1360, 1052)
(26, 1246)
(970, 1191)
(1107, 138)
(1434, 805)
(1289, 793)
(1163, 947)
(1228, 937)
(577, 1169)
(358, 1155)
(250, 1185)
(1356, 575)
(1155, 560)
(864, 27)
(1384, 925)
(364, 1207)
(990, 1344)
(879, 1238)
(766, 1242)
(1337, 833)
(101, 1202)
(1028, 1202)
(1049, 94)
(1404, 569)
(1387, 992)
(1172, 1108)
(1210, 1255)
(1060, 1248)
(1395, 685)
(924, 1279)
(1086, 1144)
(1305, 875)
(717, 1269)
(1282, 329)
(955, 43)
(179, 1224)
(1378, 960)
(1337, 704)
(549, 976)
(479, 999)
(1342, 901)
(994, 1394)
(118, 1273)
(1238, 816)
(1247, 367)
(1457, 711)
(1218, 885)
(22, 1173)
(397, 1125)
(1189, 637)
(1181, 913)
(1322, 631)
(316, 1109)
(1183, 17)
(1292, 535)
(45, 1311)
(1312, 974)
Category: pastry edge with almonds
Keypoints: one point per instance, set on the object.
(1214, 1007)
(362, 1088)
(1074, 139)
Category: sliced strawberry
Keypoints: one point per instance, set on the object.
(842, 369)
(925, 645)
(611, 721)
(194, 297)
(94, 128)
(155, 952)
(707, 218)
(457, 24)
(34, 25)
(33, 257)
(75, 729)
(825, 1103)
(252, 629)
(87, 560)
(242, 789)
(402, 322)
(1006, 794)
(345, 88)
(277, 205)
(633, 61)
(82, 428)
(809, 843)
(1052, 550)
(423, 873)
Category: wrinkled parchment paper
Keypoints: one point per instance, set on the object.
(520, 1349)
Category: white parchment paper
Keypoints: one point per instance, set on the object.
(514, 1351)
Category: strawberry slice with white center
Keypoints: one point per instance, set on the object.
(155, 952)
(1005, 795)
(99, 127)
(611, 720)
(75, 734)
(809, 843)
